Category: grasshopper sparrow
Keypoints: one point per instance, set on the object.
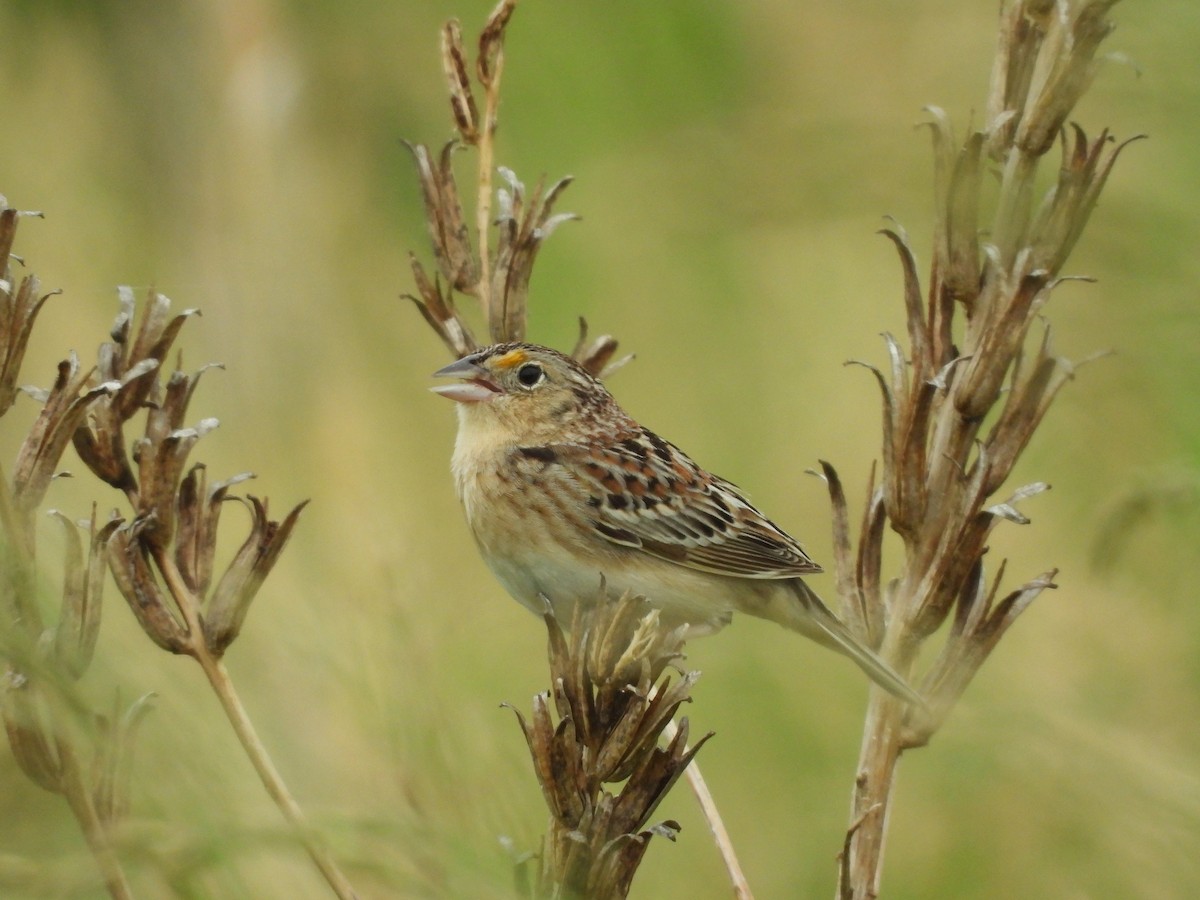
(561, 487)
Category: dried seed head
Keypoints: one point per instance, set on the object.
(131, 362)
(985, 376)
(596, 355)
(114, 762)
(78, 623)
(499, 280)
(161, 456)
(198, 508)
(33, 747)
(19, 307)
(444, 216)
(226, 609)
(491, 42)
(612, 710)
(458, 80)
(127, 558)
(1063, 70)
(64, 408)
(523, 223)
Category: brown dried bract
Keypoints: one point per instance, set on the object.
(613, 697)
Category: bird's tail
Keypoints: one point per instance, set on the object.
(815, 620)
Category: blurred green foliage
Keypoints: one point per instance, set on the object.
(732, 163)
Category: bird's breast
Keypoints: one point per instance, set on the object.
(535, 530)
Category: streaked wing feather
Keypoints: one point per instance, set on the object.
(647, 493)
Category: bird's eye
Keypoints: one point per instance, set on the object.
(529, 374)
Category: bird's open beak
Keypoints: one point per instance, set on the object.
(476, 385)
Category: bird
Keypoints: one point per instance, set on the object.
(564, 492)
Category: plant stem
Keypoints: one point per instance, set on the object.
(243, 727)
(483, 205)
(708, 806)
(883, 742)
(871, 801)
(222, 685)
(94, 831)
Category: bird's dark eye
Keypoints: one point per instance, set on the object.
(529, 374)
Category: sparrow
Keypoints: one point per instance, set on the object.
(565, 492)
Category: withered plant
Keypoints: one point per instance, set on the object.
(611, 711)
(614, 700)
(497, 277)
(59, 743)
(962, 401)
(962, 397)
(162, 555)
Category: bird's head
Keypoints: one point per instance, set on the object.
(524, 393)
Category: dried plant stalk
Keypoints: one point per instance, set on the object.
(162, 559)
(957, 418)
(614, 701)
(59, 745)
(716, 824)
(494, 264)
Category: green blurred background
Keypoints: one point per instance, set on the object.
(733, 162)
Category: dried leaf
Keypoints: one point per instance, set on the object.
(18, 312)
(64, 409)
(230, 601)
(522, 226)
(134, 578)
(78, 623)
(870, 563)
(444, 220)
(491, 43)
(918, 328)
(438, 310)
(595, 355)
(454, 65)
(114, 768)
(32, 748)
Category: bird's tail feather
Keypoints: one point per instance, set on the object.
(815, 620)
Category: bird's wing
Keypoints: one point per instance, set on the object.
(646, 493)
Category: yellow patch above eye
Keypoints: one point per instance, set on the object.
(511, 359)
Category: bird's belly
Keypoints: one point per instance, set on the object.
(703, 601)
(542, 548)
